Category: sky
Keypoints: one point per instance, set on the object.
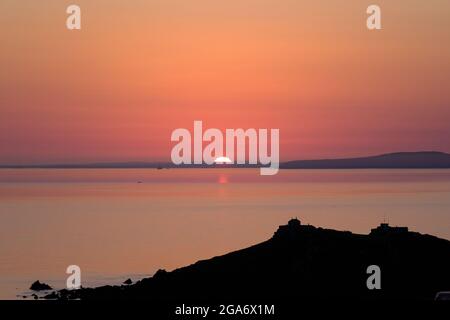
(137, 70)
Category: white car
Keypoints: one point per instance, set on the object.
(442, 296)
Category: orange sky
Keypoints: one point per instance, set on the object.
(137, 70)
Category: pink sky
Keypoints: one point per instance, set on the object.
(115, 90)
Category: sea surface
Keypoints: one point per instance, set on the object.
(128, 223)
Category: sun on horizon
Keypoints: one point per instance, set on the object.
(223, 160)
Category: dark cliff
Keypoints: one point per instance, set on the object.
(302, 262)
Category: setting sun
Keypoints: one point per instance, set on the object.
(222, 160)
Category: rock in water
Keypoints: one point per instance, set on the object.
(37, 286)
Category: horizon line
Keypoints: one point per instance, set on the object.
(165, 164)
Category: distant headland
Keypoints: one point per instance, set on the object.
(301, 262)
(397, 160)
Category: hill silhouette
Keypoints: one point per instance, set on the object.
(398, 160)
(301, 262)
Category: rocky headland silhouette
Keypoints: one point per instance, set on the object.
(301, 262)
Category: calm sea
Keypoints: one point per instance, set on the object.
(123, 223)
